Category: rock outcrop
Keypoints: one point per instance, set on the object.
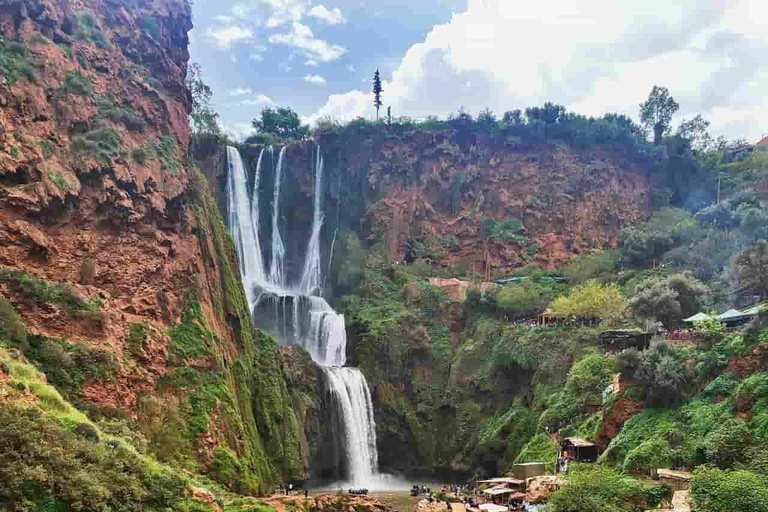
(111, 242)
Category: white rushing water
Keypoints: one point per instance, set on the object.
(311, 277)
(244, 224)
(298, 315)
(277, 262)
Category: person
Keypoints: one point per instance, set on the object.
(306, 493)
(290, 488)
(448, 505)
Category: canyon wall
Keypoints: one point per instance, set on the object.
(111, 245)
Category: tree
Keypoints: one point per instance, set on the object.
(669, 300)
(283, 122)
(752, 269)
(661, 375)
(696, 132)
(377, 90)
(486, 118)
(204, 120)
(514, 117)
(598, 488)
(715, 490)
(657, 111)
(550, 113)
(591, 300)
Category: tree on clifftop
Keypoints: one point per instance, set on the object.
(283, 122)
(591, 300)
(657, 111)
(377, 90)
(752, 269)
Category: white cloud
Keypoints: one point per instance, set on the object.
(315, 79)
(284, 11)
(224, 18)
(233, 58)
(301, 37)
(238, 131)
(330, 16)
(259, 99)
(224, 37)
(592, 57)
(351, 68)
(311, 63)
(241, 91)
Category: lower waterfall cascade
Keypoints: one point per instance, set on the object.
(298, 315)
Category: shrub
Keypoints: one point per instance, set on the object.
(87, 432)
(43, 291)
(101, 142)
(715, 490)
(728, 445)
(12, 327)
(596, 488)
(627, 362)
(140, 156)
(60, 181)
(77, 83)
(15, 62)
(88, 31)
(661, 375)
(119, 114)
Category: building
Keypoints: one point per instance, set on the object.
(579, 449)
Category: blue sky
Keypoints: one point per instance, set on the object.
(318, 56)
(248, 72)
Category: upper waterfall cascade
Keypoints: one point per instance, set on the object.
(297, 314)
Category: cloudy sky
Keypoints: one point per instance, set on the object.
(435, 56)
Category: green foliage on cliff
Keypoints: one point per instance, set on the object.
(43, 291)
(16, 62)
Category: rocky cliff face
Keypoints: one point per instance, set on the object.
(451, 206)
(478, 209)
(110, 243)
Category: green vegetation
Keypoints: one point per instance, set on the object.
(77, 83)
(190, 339)
(47, 147)
(165, 149)
(87, 30)
(591, 300)
(16, 62)
(280, 123)
(120, 114)
(46, 292)
(60, 181)
(101, 142)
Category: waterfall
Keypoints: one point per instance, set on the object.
(276, 270)
(310, 278)
(350, 394)
(299, 316)
(244, 224)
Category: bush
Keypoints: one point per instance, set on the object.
(715, 490)
(87, 432)
(728, 445)
(661, 375)
(596, 488)
(15, 62)
(627, 362)
(47, 467)
(77, 83)
(43, 291)
(102, 142)
(86, 30)
(12, 327)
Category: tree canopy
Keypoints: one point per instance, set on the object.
(752, 269)
(282, 122)
(591, 300)
(657, 111)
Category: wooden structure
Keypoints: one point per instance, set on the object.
(579, 449)
(619, 339)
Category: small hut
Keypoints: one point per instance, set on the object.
(579, 449)
(526, 470)
(677, 480)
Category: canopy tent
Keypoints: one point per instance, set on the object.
(505, 480)
(499, 490)
(518, 496)
(697, 316)
(731, 313)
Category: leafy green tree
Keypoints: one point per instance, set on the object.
(204, 120)
(627, 362)
(588, 378)
(669, 300)
(377, 90)
(513, 117)
(528, 298)
(752, 269)
(282, 122)
(696, 131)
(657, 111)
(486, 118)
(661, 375)
(640, 246)
(591, 300)
(550, 113)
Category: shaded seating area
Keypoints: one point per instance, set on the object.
(619, 339)
(578, 449)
